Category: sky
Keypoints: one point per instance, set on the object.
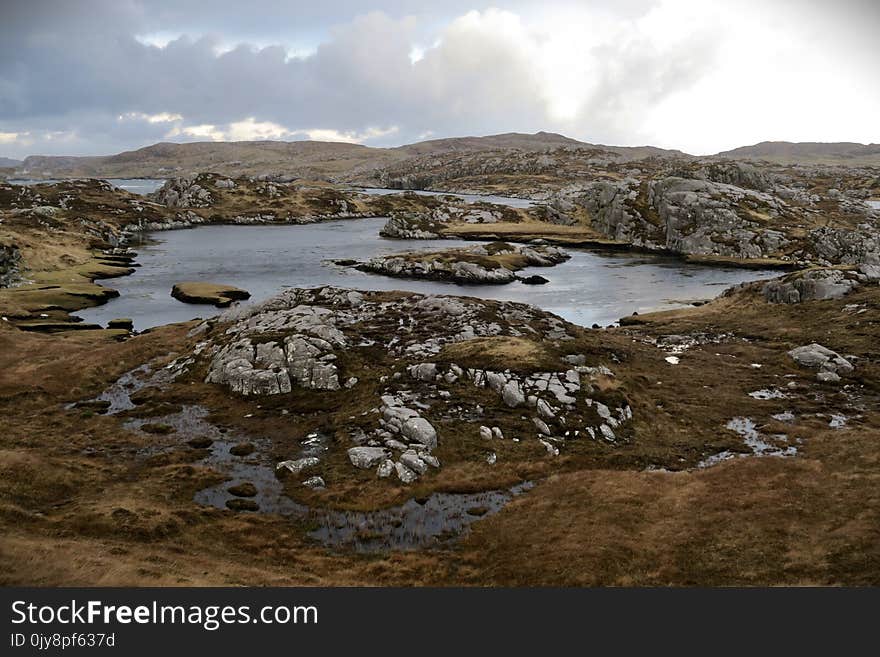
(91, 77)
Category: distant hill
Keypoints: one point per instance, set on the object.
(336, 161)
(298, 158)
(8, 162)
(786, 152)
(302, 159)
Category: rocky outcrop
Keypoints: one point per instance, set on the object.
(495, 263)
(830, 364)
(707, 218)
(315, 338)
(305, 356)
(847, 246)
(183, 193)
(811, 285)
(729, 172)
(727, 209)
(429, 224)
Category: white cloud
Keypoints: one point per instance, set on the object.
(9, 137)
(158, 39)
(328, 134)
(161, 117)
(249, 129)
(203, 131)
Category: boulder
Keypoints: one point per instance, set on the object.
(247, 489)
(418, 429)
(367, 457)
(813, 285)
(385, 468)
(817, 357)
(296, 466)
(414, 462)
(405, 474)
(512, 394)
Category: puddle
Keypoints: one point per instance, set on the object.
(761, 444)
(120, 391)
(772, 393)
(439, 519)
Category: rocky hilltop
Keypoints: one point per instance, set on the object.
(706, 209)
(278, 160)
(494, 263)
(786, 152)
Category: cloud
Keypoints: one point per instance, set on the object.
(701, 76)
(8, 137)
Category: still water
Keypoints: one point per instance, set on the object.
(133, 185)
(592, 287)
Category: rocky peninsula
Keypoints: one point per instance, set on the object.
(492, 263)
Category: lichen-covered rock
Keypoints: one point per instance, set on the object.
(495, 263)
(418, 429)
(183, 193)
(296, 466)
(405, 474)
(829, 363)
(367, 457)
(811, 285)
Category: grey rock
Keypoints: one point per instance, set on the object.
(418, 429)
(405, 474)
(512, 394)
(818, 357)
(298, 465)
(385, 468)
(828, 377)
(367, 457)
(430, 459)
(552, 450)
(545, 411)
(811, 285)
(414, 462)
(542, 426)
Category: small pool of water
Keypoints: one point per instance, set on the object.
(592, 287)
(417, 523)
